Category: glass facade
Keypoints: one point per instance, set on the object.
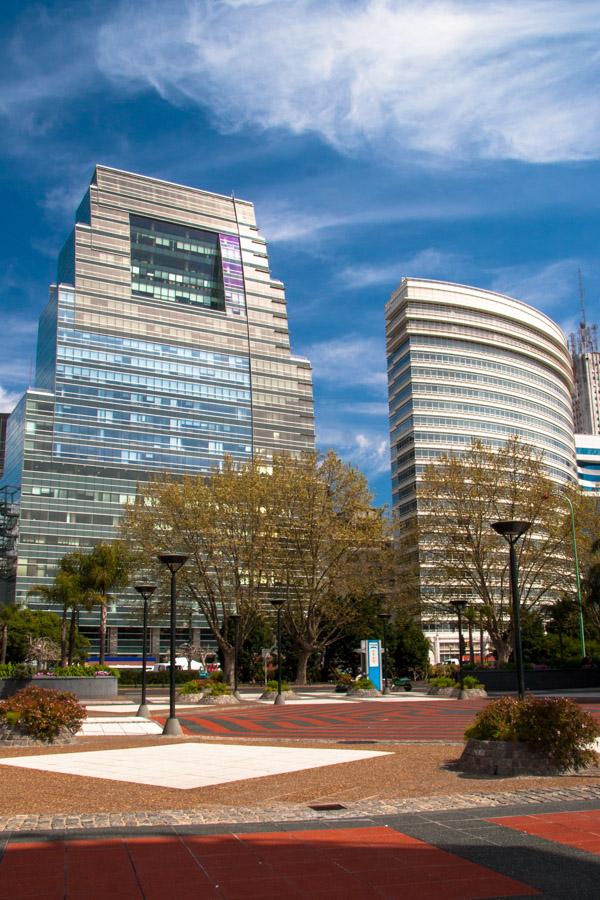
(168, 349)
(468, 364)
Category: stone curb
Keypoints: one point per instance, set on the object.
(289, 813)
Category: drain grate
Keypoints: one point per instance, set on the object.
(325, 807)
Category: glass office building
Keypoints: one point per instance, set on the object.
(164, 345)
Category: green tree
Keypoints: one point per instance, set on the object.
(27, 624)
(103, 571)
(303, 524)
(462, 556)
(410, 648)
(66, 591)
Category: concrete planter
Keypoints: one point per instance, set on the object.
(503, 680)
(270, 695)
(505, 758)
(454, 692)
(102, 688)
(189, 698)
(219, 700)
(14, 737)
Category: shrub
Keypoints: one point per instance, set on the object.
(344, 679)
(441, 670)
(471, 683)
(272, 686)
(219, 689)
(81, 671)
(555, 727)
(42, 713)
(134, 676)
(364, 684)
(15, 670)
(217, 676)
(442, 681)
(191, 687)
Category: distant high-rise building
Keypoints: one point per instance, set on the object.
(3, 423)
(164, 345)
(467, 364)
(587, 449)
(586, 372)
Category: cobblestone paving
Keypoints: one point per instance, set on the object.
(290, 813)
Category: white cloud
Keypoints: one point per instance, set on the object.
(424, 264)
(349, 360)
(438, 79)
(369, 451)
(546, 287)
(8, 400)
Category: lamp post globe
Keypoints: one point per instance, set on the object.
(145, 590)
(173, 561)
(511, 531)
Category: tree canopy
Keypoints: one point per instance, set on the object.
(303, 527)
(461, 495)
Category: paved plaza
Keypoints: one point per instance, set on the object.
(322, 798)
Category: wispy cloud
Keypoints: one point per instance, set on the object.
(546, 286)
(367, 450)
(424, 264)
(442, 79)
(8, 400)
(349, 360)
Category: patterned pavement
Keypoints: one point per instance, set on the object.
(580, 830)
(349, 864)
(443, 720)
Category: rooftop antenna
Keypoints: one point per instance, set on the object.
(581, 300)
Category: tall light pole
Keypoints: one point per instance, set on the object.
(459, 606)
(277, 604)
(145, 590)
(511, 532)
(173, 561)
(235, 618)
(577, 575)
(384, 618)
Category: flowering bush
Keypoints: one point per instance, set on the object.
(191, 687)
(364, 684)
(42, 713)
(555, 727)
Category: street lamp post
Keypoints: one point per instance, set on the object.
(145, 590)
(277, 604)
(235, 618)
(511, 532)
(385, 617)
(459, 606)
(173, 561)
(577, 575)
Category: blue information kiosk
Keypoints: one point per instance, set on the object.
(371, 654)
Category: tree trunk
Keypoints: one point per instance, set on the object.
(4, 643)
(302, 665)
(471, 647)
(103, 620)
(72, 635)
(228, 662)
(63, 636)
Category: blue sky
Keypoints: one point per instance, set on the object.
(457, 139)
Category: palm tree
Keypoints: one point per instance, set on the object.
(471, 617)
(66, 591)
(104, 570)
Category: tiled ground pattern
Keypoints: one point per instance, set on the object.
(413, 721)
(338, 863)
(580, 830)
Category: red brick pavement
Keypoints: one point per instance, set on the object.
(443, 720)
(575, 829)
(349, 864)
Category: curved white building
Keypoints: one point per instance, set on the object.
(464, 364)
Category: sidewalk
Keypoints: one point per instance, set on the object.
(549, 850)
